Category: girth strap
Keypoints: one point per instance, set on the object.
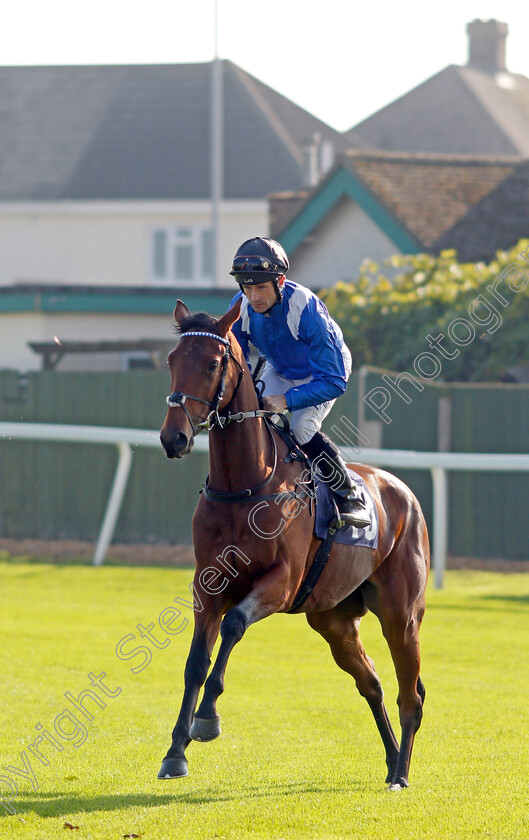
(314, 573)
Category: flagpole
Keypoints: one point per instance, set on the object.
(217, 152)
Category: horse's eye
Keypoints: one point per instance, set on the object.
(213, 365)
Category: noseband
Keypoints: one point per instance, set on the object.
(178, 399)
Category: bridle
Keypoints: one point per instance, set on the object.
(178, 399)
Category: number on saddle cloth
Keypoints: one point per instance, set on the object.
(326, 513)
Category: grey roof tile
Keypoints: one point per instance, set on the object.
(459, 110)
(143, 132)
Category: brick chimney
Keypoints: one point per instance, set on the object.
(486, 45)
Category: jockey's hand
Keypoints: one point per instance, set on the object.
(277, 402)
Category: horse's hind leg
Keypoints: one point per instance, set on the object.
(400, 626)
(339, 627)
(403, 640)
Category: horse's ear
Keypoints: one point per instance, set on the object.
(181, 311)
(228, 319)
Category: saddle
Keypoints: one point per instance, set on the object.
(327, 513)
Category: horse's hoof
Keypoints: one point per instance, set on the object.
(173, 768)
(205, 729)
(397, 786)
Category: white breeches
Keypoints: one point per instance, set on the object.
(304, 422)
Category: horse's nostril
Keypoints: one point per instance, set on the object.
(180, 441)
(173, 444)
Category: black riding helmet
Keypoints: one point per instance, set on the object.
(260, 260)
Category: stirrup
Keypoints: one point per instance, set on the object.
(357, 518)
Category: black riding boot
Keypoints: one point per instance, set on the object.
(330, 467)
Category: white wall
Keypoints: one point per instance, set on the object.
(338, 246)
(108, 243)
(17, 329)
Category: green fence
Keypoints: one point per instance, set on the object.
(59, 491)
(487, 511)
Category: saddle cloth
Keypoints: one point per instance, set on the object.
(327, 511)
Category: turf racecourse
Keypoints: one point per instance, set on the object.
(299, 755)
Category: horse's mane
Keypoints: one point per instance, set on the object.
(200, 321)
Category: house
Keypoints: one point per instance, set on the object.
(123, 187)
(442, 167)
(106, 210)
(377, 204)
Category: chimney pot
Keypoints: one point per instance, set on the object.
(486, 45)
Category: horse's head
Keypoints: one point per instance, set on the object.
(202, 378)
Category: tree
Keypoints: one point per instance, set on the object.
(481, 311)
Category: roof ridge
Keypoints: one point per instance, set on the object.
(103, 66)
(433, 157)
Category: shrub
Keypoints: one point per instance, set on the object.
(386, 321)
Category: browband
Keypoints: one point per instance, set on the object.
(208, 335)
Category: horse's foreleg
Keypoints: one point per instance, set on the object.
(196, 669)
(340, 629)
(266, 597)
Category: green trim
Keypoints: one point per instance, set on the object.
(344, 184)
(19, 302)
(116, 302)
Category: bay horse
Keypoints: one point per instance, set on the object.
(249, 568)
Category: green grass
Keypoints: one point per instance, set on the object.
(299, 755)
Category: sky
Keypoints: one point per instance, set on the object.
(339, 59)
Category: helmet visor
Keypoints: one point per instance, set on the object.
(245, 263)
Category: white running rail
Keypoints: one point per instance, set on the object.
(438, 463)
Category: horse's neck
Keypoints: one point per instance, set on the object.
(240, 455)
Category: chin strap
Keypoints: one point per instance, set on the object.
(279, 290)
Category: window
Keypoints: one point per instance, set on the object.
(207, 253)
(160, 254)
(182, 255)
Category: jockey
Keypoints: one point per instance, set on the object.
(307, 362)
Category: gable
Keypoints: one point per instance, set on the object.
(334, 251)
(342, 184)
(429, 194)
(413, 199)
